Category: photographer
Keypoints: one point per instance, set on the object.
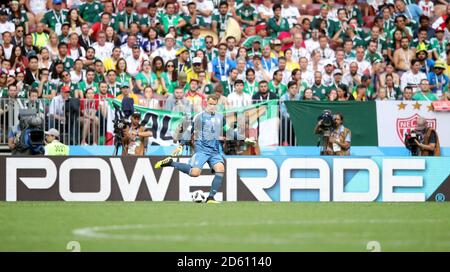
(135, 137)
(428, 144)
(335, 138)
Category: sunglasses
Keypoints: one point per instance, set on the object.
(170, 65)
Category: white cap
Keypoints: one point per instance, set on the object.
(196, 60)
(53, 132)
(169, 36)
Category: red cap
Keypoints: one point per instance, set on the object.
(65, 89)
(260, 27)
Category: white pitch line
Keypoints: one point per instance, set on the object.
(298, 238)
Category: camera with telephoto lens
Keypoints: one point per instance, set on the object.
(30, 138)
(119, 125)
(327, 120)
(410, 141)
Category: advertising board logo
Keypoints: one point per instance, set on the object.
(405, 125)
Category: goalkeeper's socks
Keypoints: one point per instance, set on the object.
(217, 182)
(183, 167)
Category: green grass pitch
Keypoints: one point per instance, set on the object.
(237, 226)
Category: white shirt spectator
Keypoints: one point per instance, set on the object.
(308, 77)
(291, 14)
(74, 53)
(75, 78)
(265, 10)
(57, 106)
(134, 65)
(411, 79)
(311, 45)
(327, 53)
(364, 66)
(7, 26)
(427, 8)
(165, 53)
(8, 51)
(236, 100)
(327, 79)
(206, 5)
(234, 52)
(38, 6)
(286, 77)
(298, 53)
(126, 51)
(103, 52)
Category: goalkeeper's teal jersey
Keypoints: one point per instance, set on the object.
(207, 131)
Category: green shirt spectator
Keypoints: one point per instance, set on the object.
(125, 19)
(74, 88)
(321, 91)
(424, 96)
(20, 19)
(90, 10)
(278, 89)
(83, 86)
(246, 12)
(55, 18)
(170, 20)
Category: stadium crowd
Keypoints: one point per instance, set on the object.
(172, 54)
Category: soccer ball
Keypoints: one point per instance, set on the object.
(198, 196)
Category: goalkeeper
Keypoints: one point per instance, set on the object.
(208, 132)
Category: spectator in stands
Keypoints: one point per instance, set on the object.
(308, 95)
(177, 102)
(360, 94)
(89, 119)
(413, 77)
(407, 94)
(263, 93)
(126, 92)
(424, 93)
(438, 80)
(239, 99)
(57, 113)
(75, 37)
(196, 99)
(148, 101)
(291, 95)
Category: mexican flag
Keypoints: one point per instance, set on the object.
(372, 123)
(262, 117)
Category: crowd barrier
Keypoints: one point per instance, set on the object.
(90, 121)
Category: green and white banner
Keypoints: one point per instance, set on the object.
(262, 118)
(373, 123)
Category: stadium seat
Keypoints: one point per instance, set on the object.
(141, 8)
(312, 9)
(368, 21)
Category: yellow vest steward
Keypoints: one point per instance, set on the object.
(40, 40)
(56, 148)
